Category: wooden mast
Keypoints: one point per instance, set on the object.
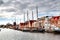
(27, 15)
(32, 15)
(37, 11)
(24, 16)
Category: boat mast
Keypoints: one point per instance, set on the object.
(15, 19)
(37, 11)
(20, 20)
(24, 16)
(32, 15)
(27, 15)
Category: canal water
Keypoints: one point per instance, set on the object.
(10, 34)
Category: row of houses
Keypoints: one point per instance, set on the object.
(45, 23)
(40, 23)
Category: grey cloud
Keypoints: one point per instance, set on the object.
(17, 4)
(1, 2)
(50, 5)
(37, 0)
(24, 6)
(8, 10)
(44, 5)
(19, 12)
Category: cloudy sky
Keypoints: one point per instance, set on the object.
(9, 9)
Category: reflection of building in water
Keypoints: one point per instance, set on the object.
(46, 22)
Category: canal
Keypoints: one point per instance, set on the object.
(10, 34)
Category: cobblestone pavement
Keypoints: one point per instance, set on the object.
(10, 34)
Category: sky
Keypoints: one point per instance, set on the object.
(14, 9)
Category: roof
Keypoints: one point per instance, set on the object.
(32, 20)
(56, 17)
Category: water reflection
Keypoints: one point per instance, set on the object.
(9, 34)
